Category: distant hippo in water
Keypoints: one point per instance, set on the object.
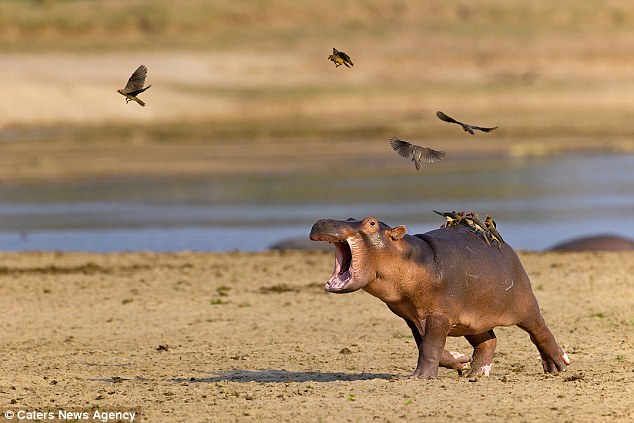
(447, 282)
(596, 243)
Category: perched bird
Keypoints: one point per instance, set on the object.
(468, 128)
(340, 58)
(492, 228)
(134, 86)
(452, 217)
(473, 220)
(417, 153)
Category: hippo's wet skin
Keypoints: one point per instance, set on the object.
(446, 282)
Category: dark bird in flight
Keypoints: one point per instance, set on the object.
(134, 86)
(468, 128)
(340, 58)
(417, 153)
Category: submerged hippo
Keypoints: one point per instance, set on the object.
(596, 243)
(447, 282)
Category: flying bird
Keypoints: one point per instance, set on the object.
(468, 128)
(134, 86)
(340, 58)
(417, 153)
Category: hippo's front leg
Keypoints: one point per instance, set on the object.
(432, 347)
(448, 359)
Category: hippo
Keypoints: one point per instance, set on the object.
(595, 243)
(446, 282)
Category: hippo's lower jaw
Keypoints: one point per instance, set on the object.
(342, 275)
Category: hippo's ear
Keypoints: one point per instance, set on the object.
(398, 232)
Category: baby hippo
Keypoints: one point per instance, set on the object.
(447, 282)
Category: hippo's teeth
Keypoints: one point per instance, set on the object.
(341, 274)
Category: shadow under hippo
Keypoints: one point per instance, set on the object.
(447, 282)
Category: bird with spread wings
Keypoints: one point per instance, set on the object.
(415, 152)
(467, 128)
(134, 87)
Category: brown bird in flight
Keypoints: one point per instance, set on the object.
(468, 128)
(417, 153)
(134, 86)
(340, 58)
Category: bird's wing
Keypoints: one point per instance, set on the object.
(479, 128)
(477, 221)
(496, 233)
(335, 51)
(430, 156)
(137, 80)
(447, 215)
(446, 118)
(345, 57)
(403, 148)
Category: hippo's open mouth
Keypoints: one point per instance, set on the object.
(342, 275)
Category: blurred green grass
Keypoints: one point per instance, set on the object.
(159, 24)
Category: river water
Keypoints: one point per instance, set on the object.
(536, 203)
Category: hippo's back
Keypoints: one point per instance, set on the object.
(463, 253)
(490, 276)
(465, 244)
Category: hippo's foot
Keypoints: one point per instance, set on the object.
(555, 364)
(483, 351)
(455, 360)
(554, 359)
(421, 373)
(448, 359)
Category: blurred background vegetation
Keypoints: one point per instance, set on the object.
(554, 76)
(228, 24)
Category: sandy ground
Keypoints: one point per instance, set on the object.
(253, 337)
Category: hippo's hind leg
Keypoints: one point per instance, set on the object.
(448, 359)
(554, 359)
(483, 349)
